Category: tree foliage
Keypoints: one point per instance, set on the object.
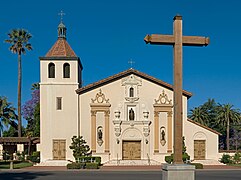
(79, 147)
(31, 112)
(220, 117)
(7, 114)
(227, 115)
(19, 40)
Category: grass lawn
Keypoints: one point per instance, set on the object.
(16, 165)
(237, 165)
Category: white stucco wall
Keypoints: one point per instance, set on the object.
(58, 124)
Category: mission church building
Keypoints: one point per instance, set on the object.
(124, 118)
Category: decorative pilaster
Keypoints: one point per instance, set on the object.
(169, 130)
(107, 139)
(93, 131)
(1, 152)
(100, 104)
(156, 132)
(163, 104)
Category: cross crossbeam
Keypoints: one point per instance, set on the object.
(170, 40)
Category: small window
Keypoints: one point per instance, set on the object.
(131, 92)
(51, 70)
(59, 103)
(66, 69)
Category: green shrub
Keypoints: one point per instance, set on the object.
(6, 155)
(185, 157)
(237, 158)
(20, 156)
(73, 166)
(98, 160)
(197, 165)
(169, 159)
(226, 159)
(92, 166)
(76, 165)
(35, 157)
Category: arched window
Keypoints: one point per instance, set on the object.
(131, 92)
(51, 70)
(66, 69)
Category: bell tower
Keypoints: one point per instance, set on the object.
(60, 76)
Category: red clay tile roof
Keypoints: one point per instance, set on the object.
(124, 74)
(19, 140)
(205, 127)
(61, 49)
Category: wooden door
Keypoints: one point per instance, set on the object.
(131, 150)
(199, 149)
(59, 149)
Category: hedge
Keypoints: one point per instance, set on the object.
(197, 165)
(76, 165)
(92, 166)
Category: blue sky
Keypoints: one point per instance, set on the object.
(106, 34)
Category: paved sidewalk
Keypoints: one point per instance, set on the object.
(126, 168)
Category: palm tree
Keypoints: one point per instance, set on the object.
(199, 115)
(7, 114)
(210, 107)
(19, 40)
(226, 116)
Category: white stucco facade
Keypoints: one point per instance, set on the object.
(64, 124)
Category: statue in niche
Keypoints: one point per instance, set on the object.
(99, 135)
(163, 134)
(131, 115)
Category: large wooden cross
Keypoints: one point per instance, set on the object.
(177, 40)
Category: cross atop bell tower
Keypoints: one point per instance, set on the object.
(61, 28)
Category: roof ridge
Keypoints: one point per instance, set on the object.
(203, 126)
(123, 74)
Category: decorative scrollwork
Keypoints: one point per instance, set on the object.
(163, 99)
(100, 98)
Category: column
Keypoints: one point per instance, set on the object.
(20, 148)
(169, 130)
(156, 132)
(107, 139)
(1, 151)
(93, 131)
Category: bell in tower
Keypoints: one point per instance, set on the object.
(61, 28)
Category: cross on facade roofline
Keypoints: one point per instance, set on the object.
(131, 62)
(61, 14)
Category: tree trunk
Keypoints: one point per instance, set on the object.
(227, 140)
(19, 95)
(29, 145)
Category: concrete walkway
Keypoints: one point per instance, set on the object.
(126, 168)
